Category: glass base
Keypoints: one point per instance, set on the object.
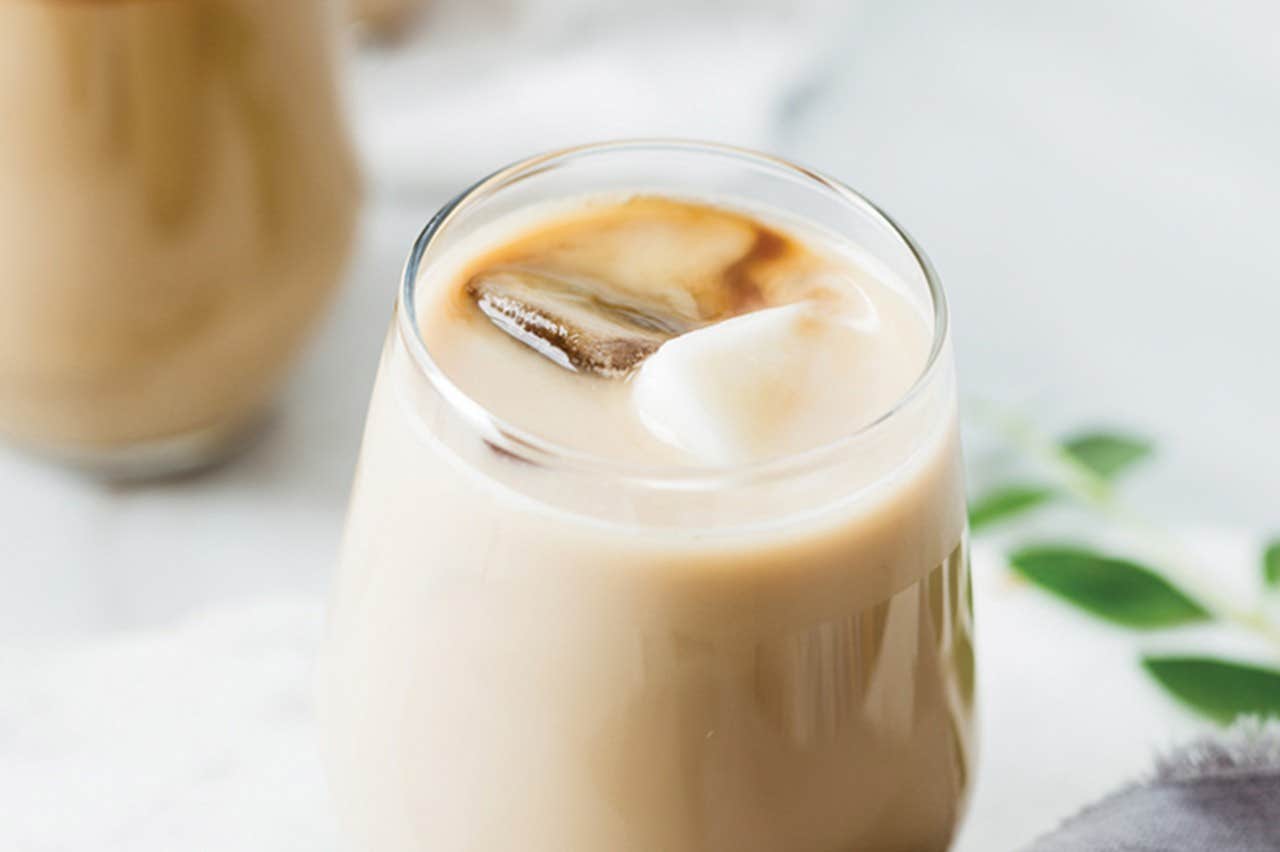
(162, 458)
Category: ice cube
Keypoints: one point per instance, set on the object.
(572, 321)
(754, 386)
(665, 252)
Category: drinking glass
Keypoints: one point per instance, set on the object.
(178, 198)
(532, 648)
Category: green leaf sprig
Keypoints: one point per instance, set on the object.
(1271, 564)
(1085, 469)
(1219, 689)
(1117, 590)
(1107, 454)
(1007, 502)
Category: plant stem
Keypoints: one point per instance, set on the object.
(1096, 492)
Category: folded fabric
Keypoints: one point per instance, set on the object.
(1219, 794)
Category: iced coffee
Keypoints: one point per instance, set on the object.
(657, 540)
(178, 201)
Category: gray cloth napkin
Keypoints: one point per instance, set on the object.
(1218, 794)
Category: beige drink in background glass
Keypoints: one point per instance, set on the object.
(178, 199)
(657, 540)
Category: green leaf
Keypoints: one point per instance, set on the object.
(1107, 454)
(1218, 689)
(1007, 502)
(1271, 564)
(1118, 590)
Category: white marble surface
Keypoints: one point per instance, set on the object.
(1096, 183)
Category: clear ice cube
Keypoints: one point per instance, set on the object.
(755, 386)
(573, 322)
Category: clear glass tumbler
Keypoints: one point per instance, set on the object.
(534, 649)
(179, 197)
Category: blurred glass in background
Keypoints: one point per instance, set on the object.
(179, 197)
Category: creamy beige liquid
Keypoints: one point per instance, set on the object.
(178, 200)
(531, 656)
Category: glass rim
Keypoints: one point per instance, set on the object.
(527, 446)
